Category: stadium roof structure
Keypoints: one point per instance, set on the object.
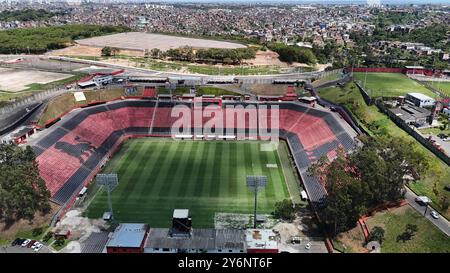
(128, 235)
(200, 239)
(180, 213)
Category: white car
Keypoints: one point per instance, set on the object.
(434, 214)
(26, 242)
(308, 246)
(35, 245)
(38, 247)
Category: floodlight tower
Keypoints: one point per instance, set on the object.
(110, 182)
(256, 183)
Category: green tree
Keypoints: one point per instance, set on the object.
(377, 234)
(284, 209)
(107, 51)
(409, 232)
(22, 190)
(372, 175)
(155, 53)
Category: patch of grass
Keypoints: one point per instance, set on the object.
(390, 84)
(216, 91)
(427, 239)
(291, 176)
(226, 70)
(442, 86)
(375, 121)
(42, 87)
(159, 175)
(200, 90)
(327, 78)
(59, 245)
(33, 234)
(66, 102)
(179, 90)
(434, 131)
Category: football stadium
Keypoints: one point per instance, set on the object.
(202, 170)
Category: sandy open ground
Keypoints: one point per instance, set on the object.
(93, 51)
(142, 41)
(17, 79)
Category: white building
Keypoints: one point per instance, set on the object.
(420, 100)
(261, 241)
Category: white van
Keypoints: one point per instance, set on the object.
(82, 192)
(304, 196)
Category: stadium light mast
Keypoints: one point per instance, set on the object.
(256, 183)
(110, 182)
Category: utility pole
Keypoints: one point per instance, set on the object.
(110, 182)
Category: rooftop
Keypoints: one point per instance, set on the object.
(420, 96)
(261, 238)
(128, 235)
(180, 213)
(200, 239)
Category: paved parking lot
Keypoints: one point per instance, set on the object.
(19, 249)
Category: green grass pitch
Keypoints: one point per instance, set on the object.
(442, 86)
(159, 175)
(390, 84)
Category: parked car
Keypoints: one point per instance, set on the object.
(31, 243)
(38, 247)
(26, 242)
(441, 136)
(17, 241)
(35, 244)
(296, 240)
(308, 246)
(434, 214)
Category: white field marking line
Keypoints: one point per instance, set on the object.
(150, 130)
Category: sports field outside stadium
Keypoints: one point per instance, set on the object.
(390, 84)
(159, 175)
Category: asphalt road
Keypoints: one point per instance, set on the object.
(19, 249)
(441, 223)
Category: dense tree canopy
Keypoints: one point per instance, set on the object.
(22, 190)
(294, 53)
(42, 39)
(211, 55)
(26, 15)
(374, 174)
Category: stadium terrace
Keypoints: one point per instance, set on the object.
(74, 149)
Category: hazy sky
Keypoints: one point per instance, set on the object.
(395, 2)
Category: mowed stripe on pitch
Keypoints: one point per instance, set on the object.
(156, 176)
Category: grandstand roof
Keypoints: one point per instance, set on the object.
(128, 235)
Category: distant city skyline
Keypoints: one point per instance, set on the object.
(348, 2)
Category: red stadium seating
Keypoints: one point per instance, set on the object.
(72, 151)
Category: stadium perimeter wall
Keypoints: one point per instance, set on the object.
(428, 72)
(399, 122)
(412, 132)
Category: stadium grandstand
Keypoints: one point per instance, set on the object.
(76, 147)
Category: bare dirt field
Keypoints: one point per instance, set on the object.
(92, 51)
(15, 80)
(267, 58)
(142, 41)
